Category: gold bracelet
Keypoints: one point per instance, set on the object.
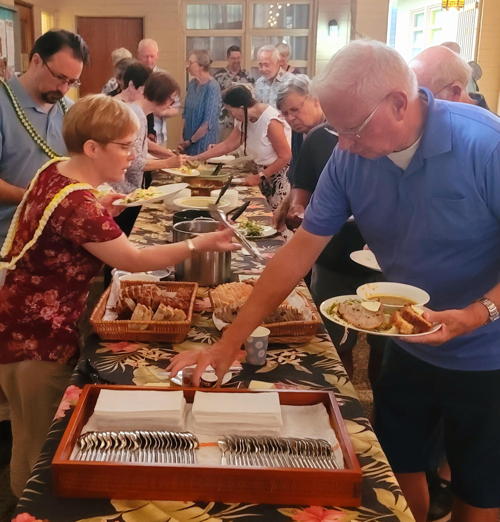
(190, 244)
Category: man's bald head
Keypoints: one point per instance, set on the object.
(443, 72)
(147, 52)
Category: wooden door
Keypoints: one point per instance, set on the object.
(25, 14)
(102, 35)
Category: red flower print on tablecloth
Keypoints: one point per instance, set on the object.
(318, 514)
(26, 517)
(123, 347)
(70, 398)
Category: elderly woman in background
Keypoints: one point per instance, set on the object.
(265, 137)
(284, 51)
(112, 86)
(145, 92)
(201, 106)
(59, 238)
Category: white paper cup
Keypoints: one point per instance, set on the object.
(256, 346)
(231, 196)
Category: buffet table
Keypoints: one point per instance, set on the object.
(315, 365)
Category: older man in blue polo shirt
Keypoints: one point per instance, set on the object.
(31, 113)
(422, 178)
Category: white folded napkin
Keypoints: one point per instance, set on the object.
(237, 413)
(138, 410)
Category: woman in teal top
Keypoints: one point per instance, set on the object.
(201, 107)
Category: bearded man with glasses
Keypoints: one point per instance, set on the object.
(32, 108)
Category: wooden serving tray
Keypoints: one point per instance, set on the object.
(207, 483)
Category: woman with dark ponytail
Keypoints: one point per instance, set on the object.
(265, 137)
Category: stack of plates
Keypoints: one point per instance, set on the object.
(126, 410)
(237, 413)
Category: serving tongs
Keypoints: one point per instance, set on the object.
(223, 190)
(220, 216)
(238, 211)
(217, 169)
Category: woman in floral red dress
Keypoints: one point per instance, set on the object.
(58, 240)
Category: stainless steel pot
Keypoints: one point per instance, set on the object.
(206, 268)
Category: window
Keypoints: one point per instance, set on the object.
(250, 24)
(214, 16)
(427, 27)
(417, 33)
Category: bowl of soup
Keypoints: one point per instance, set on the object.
(393, 295)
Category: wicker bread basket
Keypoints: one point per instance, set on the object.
(293, 332)
(166, 331)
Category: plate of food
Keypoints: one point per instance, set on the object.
(185, 171)
(370, 317)
(254, 230)
(141, 196)
(365, 258)
(202, 203)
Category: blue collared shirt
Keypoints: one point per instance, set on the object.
(435, 225)
(20, 156)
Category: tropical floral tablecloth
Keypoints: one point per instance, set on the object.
(312, 366)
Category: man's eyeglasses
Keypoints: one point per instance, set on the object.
(71, 82)
(356, 132)
(447, 86)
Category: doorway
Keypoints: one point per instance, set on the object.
(103, 34)
(27, 31)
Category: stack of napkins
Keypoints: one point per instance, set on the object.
(125, 410)
(237, 413)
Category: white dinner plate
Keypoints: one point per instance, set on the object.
(267, 232)
(202, 202)
(336, 318)
(159, 193)
(227, 158)
(365, 258)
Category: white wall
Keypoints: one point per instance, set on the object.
(326, 46)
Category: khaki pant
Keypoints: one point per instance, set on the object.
(33, 390)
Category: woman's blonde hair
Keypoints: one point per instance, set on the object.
(97, 117)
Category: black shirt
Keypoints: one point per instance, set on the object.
(314, 154)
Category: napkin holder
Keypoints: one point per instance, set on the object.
(117, 480)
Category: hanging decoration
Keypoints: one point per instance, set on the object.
(456, 4)
(274, 13)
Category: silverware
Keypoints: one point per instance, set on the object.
(219, 215)
(276, 452)
(138, 446)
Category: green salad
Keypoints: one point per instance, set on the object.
(251, 228)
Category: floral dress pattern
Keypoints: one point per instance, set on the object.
(43, 297)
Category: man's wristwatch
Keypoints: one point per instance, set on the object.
(493, 312)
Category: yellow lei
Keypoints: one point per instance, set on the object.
(49, 209)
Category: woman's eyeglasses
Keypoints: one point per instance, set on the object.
(128, 147)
